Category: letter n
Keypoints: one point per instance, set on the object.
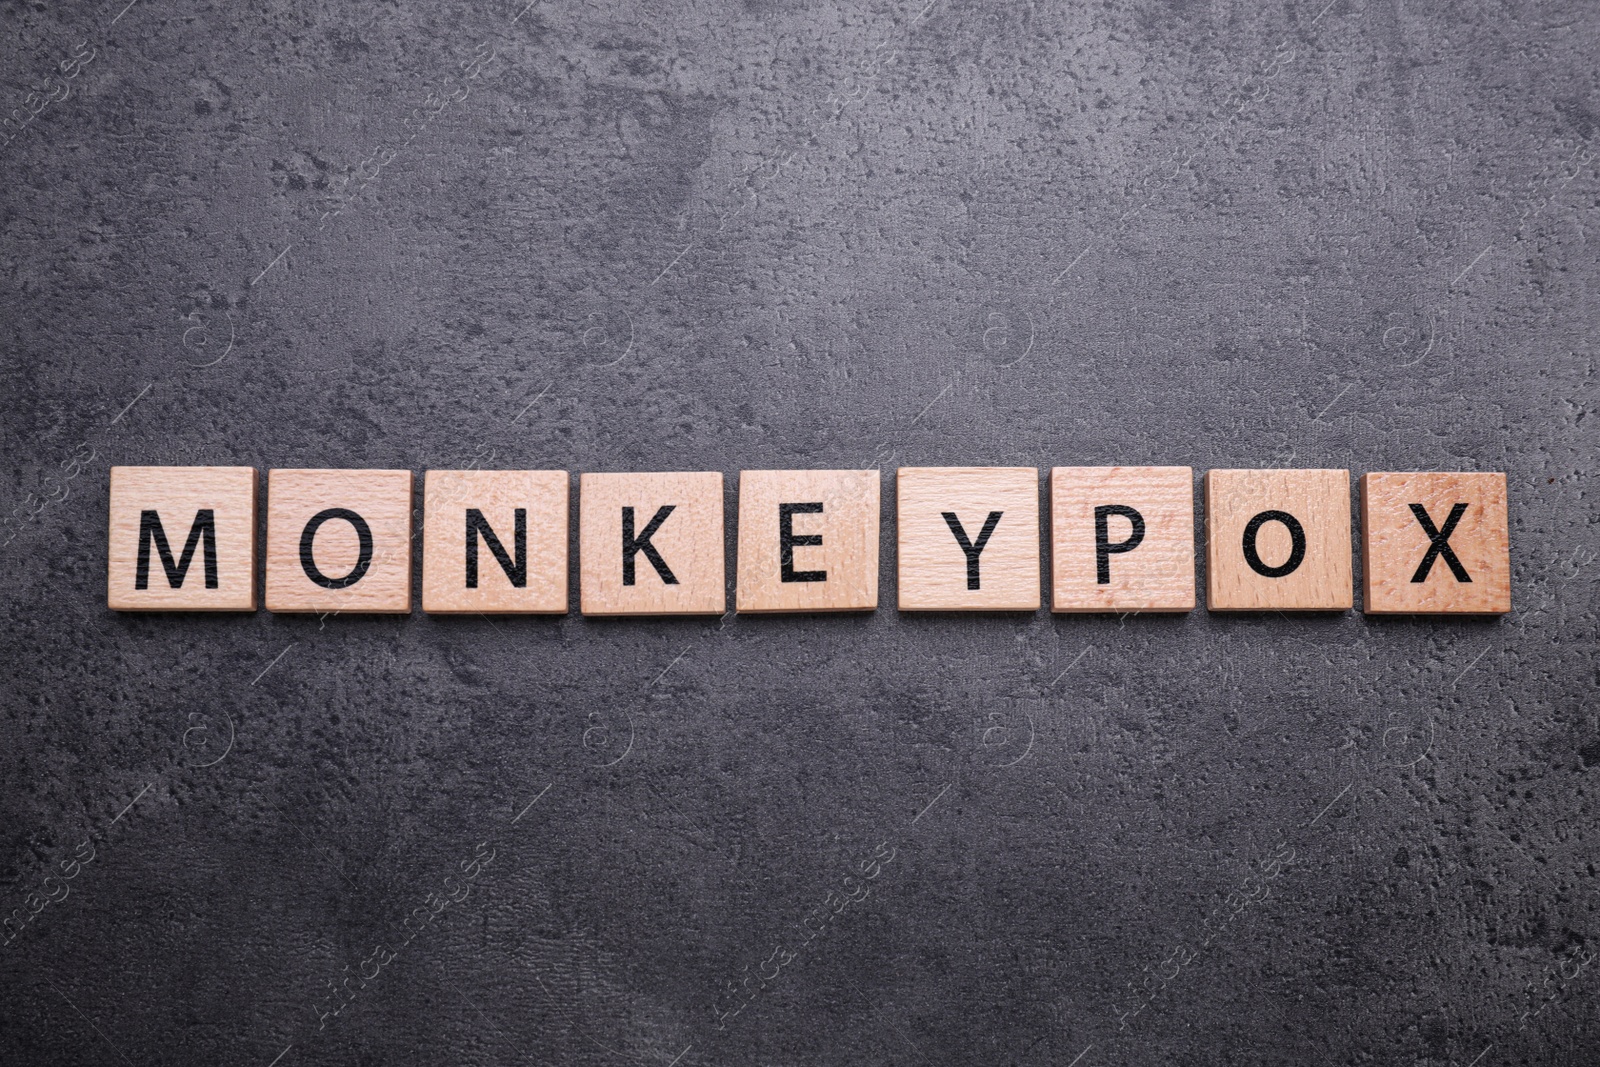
(516, 569)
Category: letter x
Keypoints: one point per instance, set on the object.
(1439, 543)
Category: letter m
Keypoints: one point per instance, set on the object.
(151, 530)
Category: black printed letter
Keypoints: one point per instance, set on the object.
(787, 539)
(1297, 543)
(972, 550)
(1438, 543)
(1103, 548)
(308, 537)
(632, 546)
(150, 529)
(517, 571)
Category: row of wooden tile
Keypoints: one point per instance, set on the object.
(1122, 539)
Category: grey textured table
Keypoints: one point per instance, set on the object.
(619, 236)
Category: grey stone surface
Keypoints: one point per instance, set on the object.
(624, 236)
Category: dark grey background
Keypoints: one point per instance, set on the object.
(627, 236)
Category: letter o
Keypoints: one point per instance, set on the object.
(1297, 543)
(308, 537)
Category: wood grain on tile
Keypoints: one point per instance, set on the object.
(651, 544)
(1122, 539)
(808, 541)
(494, 542)
(339, 541)
(1278, 540)
(182, 539)
(968, 538)
(1435, 543)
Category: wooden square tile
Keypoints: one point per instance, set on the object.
(1435, 543)
(182, 539)
(494, 542)
(651, 544)
(1278, 540)
(339, 541)
(1122, 539)
(969, 538)
(808, 541)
